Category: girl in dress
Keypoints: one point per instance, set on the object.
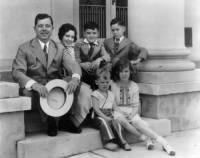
(127, 100)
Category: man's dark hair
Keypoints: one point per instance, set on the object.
(117, 21)
(65, 28)
(91, 25)
(41, 16)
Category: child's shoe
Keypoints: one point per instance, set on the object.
(149, 144)
(127, 147)
(167, 148)
(111, 146)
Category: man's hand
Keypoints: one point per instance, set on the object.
(42, 90)
(93, 67)
(85, 65)
(72, 85)
(97, 62)
(134, 62)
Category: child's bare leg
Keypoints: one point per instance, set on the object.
(144, 128)
(124, 123)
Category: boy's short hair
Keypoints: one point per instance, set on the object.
(41, 16)
(117, 21)
(91, 25)
(103, 72)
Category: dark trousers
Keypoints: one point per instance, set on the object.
(35, 102)
(109, 130)
(36, 108)
(89, 79)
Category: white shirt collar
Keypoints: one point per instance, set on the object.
(42, 44)
(86, 41)
(121, 38)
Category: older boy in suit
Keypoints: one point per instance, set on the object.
(90, 53)
(119, 47)
(39, 61)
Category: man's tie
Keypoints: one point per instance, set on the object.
(45, 51)
(91, 50)
(116, 44)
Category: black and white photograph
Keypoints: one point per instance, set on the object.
(100, 79)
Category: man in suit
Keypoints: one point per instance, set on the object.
(90, 53)
(39, 61)
(119, 47)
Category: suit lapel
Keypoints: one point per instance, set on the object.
(111, 45)
(51, 52)
(85, 49)
(122, 44)
(37, 50)
(96, 50)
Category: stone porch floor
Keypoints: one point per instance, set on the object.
(186, 144)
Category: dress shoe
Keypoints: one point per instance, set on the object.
(51, 127)
(127, 147)
(170, 151)
(111, 146)
(149, 144)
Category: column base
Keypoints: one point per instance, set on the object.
(176, 102)
(167, 60)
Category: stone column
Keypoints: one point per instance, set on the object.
(167, 78)
(192, 14)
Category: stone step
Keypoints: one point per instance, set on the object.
(8, 90)
(66, 144)
(12, 124)
(15, 104)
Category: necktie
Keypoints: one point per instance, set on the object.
(116, 44)
(90, 52)
(45, 51)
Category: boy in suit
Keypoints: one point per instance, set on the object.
(119, 47)
(39, 61)
(90, 53)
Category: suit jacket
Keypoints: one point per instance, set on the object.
(82, 49)
(126, 49)
(30, 63)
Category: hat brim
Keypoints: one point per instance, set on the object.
(57, 94)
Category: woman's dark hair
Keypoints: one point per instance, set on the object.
(65, 28)
(119, 67)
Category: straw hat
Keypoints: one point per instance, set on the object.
(58, 102)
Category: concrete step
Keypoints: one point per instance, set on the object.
(8, 90)
(15, 104)
(66, 144)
